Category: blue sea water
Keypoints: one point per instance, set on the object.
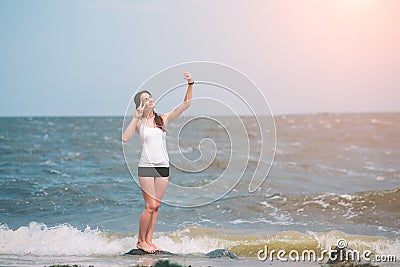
(64, 181)
(64, 170)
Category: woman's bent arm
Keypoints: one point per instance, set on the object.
(130, 130)
(132, 127)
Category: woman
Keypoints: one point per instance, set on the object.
(153, 167)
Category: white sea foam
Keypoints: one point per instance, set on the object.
(65, 240)
(38, 239)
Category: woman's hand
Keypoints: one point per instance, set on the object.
(187, 77)
(139, 110)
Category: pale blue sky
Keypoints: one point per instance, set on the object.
(89, 57)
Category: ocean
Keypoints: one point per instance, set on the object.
(67, 195)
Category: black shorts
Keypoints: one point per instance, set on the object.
(153, 171)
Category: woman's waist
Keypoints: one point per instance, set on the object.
(143, 163)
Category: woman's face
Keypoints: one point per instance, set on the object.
(147, 100)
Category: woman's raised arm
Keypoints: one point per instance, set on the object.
(186, 102)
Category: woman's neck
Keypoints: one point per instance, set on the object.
(150, 114)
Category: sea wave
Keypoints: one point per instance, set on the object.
(65, 240)
(369, 207)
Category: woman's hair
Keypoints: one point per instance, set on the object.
(157, 118)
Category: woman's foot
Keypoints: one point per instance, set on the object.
(156, 248)
(145, 247)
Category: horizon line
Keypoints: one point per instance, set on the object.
(274, 115)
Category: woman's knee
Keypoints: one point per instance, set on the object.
(153, 206)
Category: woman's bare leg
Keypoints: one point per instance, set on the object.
(148, 191)
(160, 187)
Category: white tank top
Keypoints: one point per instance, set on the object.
(154, 148)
